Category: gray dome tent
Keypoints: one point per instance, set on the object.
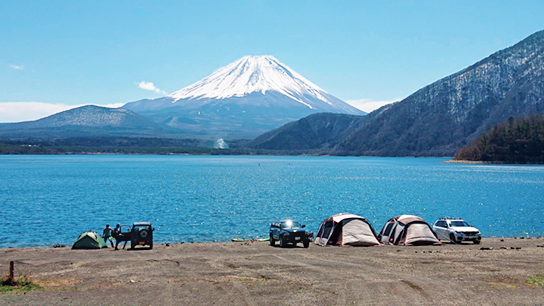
(346, 229)
(407, 230)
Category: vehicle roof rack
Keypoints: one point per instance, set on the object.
(449, 218)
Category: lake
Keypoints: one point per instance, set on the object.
(46, 200)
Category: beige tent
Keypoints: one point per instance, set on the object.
(408, 230)
(346, 229)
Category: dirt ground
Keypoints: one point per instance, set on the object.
(254, 273)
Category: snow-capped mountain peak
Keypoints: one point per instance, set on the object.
(253, 95)
(253, 74)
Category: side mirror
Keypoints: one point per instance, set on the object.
(153, 228)
(303, 226)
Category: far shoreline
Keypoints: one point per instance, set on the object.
(469, 162)
(480, 162)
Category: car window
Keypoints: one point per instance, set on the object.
(139, 228)
(291, 224)
(459, 224)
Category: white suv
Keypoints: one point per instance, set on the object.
(456, 230)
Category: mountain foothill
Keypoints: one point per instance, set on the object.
(264, 106)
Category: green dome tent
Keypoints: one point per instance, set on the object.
(89, 240)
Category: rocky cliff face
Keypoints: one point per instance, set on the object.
(442, 117)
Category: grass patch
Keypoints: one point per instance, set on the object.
(21, 284)
(535, 281)
(517, 282)
(19, 288)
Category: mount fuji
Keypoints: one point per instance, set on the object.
(246, 98)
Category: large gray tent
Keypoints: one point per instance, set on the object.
(408, 230)
(346, 229)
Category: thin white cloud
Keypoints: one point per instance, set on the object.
(29, 111)
(150, 86)
(17, 67)
(368, 105)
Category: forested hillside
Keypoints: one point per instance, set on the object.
(316, 132)
(516, 141)
(440, 118)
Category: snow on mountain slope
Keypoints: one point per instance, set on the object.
(244, 99)
(254, 74)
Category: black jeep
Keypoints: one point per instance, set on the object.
(289, 232)
(142, 234)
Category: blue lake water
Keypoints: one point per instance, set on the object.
(46, 200)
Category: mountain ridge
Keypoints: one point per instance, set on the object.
(251, 74)
(243, 99)
(440, 118)
(88, 120)
(445, 115)
(315, 132)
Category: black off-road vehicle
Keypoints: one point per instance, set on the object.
(289, 232)
(142, 234)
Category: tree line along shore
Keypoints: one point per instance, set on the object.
(516, 141)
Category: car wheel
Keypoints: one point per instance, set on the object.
(282, 242)
(476, 241)
(131, 246)
(272, 241)
(306, 244)
(452, 239)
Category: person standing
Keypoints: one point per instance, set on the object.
(119, 237)
(106, 234)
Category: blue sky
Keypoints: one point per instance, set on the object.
(60, 54)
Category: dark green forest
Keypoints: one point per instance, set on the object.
(516, 141)
(129, 145)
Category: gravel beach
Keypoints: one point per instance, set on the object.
(496, 272)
